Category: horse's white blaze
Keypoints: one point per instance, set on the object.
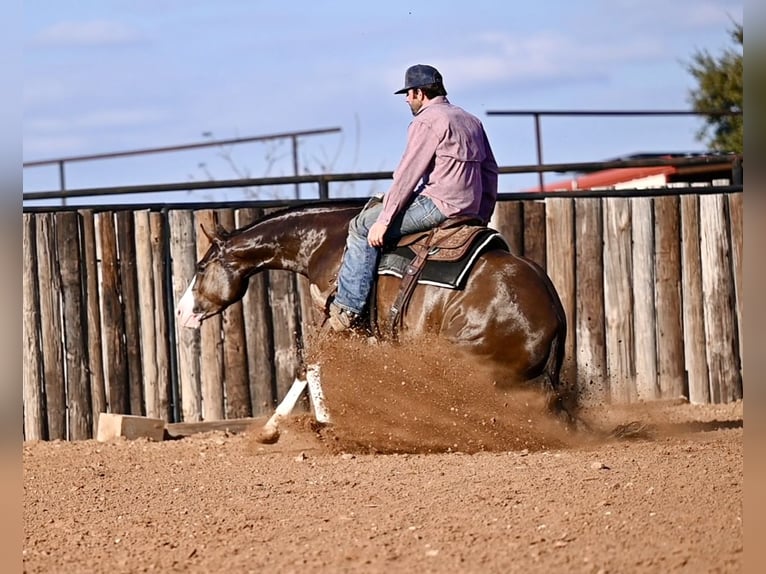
(185, 309)
(321, 414)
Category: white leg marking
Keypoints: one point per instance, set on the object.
(270, 431)
(316, 394)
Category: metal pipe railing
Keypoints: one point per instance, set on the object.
(323, 180)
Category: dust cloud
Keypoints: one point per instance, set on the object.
(425, 396)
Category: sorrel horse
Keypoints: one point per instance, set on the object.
(508, 314)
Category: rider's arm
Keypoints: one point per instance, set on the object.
(418, 155)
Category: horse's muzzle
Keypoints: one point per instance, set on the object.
(185, 314)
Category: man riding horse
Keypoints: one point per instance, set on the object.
(447, 170)
(500, 309)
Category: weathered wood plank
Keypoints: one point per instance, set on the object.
(181, 430)
(285, 320)
(49, 284)
(235, 370)
(147, 311)
(32, 384)
(183, 256)
(158, 235)
(560, 257)
(310, 317)
(282, 300)
(693, 307)
(508, 219)
(534, 232)
(589, 326)
(667, 262)
(115, 360)
(644, 317)
(93, 303)
(720, 305)
(80, 417)
(112, 426)
(211, 343)
(259, 336)
(618, 300)
(737, 237)
(130, 307)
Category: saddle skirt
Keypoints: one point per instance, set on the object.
(452, 252)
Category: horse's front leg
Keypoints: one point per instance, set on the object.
(316, 394)
(269, 433)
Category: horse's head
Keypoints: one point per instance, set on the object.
(217, 283)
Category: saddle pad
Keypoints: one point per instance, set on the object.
(449, 274)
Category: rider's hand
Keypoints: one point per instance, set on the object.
(375, 236)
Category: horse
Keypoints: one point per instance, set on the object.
(507, 315)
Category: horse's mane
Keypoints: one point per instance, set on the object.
(327, 204)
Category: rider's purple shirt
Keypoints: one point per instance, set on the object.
(448, 158)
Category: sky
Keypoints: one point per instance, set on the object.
(128, 74)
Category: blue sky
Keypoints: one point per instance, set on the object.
(126, 74)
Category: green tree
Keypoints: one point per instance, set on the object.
(719, 87)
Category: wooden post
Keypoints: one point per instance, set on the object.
(183, 255)
(49, 283)
(34, 424)
(130, 306)
(718, 291)
(259, 335)
(147, 310)
(508, 219)
(93, 303)
(593, 386)
(234, 349)
(667, 261)
(284, 326)
(211, 345)
(618, 300)
(116, 370)
(75, 332)
(282, 300)
(157, 233)
(534, 231)
(645, 320)
(560, 257)
(693, 307)
(737, 237)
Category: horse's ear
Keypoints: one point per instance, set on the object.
(214, 237)
(221, 231)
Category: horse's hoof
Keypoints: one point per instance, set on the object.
(268, 436)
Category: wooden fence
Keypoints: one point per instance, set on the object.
(651, 288)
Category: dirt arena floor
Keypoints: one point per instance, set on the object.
(426, 468)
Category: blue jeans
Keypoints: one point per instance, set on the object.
(360, 261)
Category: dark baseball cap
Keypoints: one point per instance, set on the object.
(418, 76)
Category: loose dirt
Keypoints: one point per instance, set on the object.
(428, 467)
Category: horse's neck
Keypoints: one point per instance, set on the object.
(295, 241)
